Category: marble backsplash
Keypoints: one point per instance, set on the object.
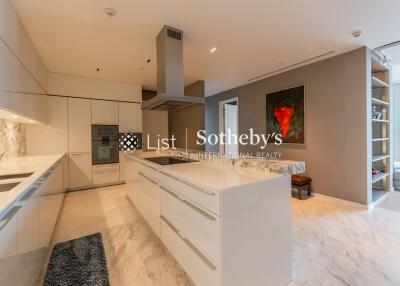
(12, 139)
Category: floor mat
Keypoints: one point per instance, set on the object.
(79, 261)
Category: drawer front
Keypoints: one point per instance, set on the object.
(205, 198)
(105, 174)
(196, 265)
(145, 195)
(199, 225)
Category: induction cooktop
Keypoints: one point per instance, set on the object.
(167, 160)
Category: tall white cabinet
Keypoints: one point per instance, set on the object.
(104, 112)
(80, 155)
(130, 117)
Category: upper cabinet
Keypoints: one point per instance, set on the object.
(130, 117)
(79, 119)
(104, 112)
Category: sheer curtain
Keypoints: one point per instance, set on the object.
(396, 114)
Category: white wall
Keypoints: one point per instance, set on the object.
(23, 76)
(75, 86)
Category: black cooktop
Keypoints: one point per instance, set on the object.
(169, 160)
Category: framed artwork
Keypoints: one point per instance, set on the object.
(285, 114)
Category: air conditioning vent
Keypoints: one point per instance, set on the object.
(174, 34)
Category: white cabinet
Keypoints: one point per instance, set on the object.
(105, 174)
(130, 117)
(104, 112)
(79, 120)
(26, 229)
(80, 170)
(80, 158)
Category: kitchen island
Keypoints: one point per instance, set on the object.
(227, 222)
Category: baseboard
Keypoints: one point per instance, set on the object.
(349, 203)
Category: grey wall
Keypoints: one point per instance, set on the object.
(190, 119)
(336, 114)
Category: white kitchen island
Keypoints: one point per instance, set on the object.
(225, 224)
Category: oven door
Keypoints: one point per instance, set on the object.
(105, 152)
(104, 131)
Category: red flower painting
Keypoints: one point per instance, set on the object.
(284, 114)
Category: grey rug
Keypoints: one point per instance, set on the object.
(79, 261)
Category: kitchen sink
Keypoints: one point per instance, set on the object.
(7, 187)
(15, 176)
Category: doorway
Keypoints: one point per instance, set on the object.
(229, 125)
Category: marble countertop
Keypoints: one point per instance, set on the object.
(221, 174)
(37, 165)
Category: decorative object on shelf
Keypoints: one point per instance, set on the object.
(130, 141)
(376, 114)
(285, 114)
(377, 171)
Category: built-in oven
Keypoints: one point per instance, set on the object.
(105, 144)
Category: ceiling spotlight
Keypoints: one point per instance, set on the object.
(213, 50)
(357, 33)
(148, 60)
(111, 12)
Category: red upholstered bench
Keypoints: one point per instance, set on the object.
(301, 183)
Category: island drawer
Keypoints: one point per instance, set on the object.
(200, 269)
(206, 198)
(200, 226)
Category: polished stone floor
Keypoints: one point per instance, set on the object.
(335, 243)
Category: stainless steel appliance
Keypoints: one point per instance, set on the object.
(105, 144)
(170, 79)
(167, 160)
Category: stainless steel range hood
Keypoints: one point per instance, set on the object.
(170, 81)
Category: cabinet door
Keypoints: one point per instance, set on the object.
(49, 207)
(28, 226)
(104, 112)
(79, 119)
(80, 169)
(130, 117)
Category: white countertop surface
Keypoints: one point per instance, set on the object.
(37, 165)
(213, 174)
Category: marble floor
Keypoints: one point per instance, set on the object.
(335, 243)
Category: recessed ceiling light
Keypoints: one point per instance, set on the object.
(148, 60)
(213, 50)
(357, 33)
(111, 12)
(14, 116)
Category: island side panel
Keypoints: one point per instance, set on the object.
(257, 234)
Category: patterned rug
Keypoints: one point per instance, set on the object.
(79, 261)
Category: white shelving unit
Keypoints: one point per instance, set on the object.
(381, 130)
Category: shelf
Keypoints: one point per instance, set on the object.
(379, 177)
(377, 83)
(379, 139)
(376, 158)
(378, 195)
(376, 101)
(380, 120)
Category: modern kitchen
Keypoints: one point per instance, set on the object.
(167, 150)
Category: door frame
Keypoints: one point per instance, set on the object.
(221, 119)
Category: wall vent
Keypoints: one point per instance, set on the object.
(174, 34)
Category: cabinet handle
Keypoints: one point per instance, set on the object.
(190, 245)
(189, 184)
(155, 169)
(8, 216)
(147, 178)
(79, 153)
(180, 180)
(189, 204)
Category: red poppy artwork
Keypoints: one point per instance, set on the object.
(285, 114)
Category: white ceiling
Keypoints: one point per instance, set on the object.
(253, 37)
